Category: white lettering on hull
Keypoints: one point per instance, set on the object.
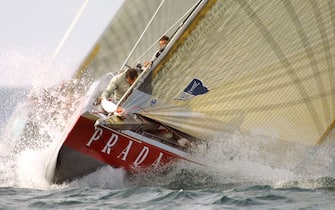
(110, 143)
(125, 152)
(114, 139)
(96, 136)
(142, 156)
(157, 161)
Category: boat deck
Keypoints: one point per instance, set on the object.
(135, 122)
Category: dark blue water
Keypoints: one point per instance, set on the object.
(242, 172)
(142, 197)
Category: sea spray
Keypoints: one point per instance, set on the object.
(41, 102)
(236, 159)
(104, 178)
(255, 159)
(49, 113)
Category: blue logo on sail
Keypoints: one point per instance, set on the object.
(193, 89)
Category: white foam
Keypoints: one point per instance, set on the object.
(37, 124)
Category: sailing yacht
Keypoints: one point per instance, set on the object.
(264, 67)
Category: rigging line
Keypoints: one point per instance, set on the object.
(192, 9)
(188, 13)
(140, 79)
(67, 33)
(145, 30)
(132, 51)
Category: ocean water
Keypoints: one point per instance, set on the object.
(240, 172)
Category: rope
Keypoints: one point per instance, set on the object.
(145, 30)
(147, 70)
(187, 13)
(67, 33)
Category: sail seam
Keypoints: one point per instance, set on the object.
(281, 56)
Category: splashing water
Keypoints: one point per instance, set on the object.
(37, 123)
(235, 160)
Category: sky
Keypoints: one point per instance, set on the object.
(34, 31)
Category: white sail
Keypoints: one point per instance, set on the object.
(268, 67)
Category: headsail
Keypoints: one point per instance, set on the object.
(268, 65)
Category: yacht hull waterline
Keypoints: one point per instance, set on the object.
(88, 148)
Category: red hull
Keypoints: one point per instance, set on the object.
(119, 149)
(87, 148)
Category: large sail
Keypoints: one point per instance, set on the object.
(263, 67)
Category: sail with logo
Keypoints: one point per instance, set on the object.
(265, 66)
